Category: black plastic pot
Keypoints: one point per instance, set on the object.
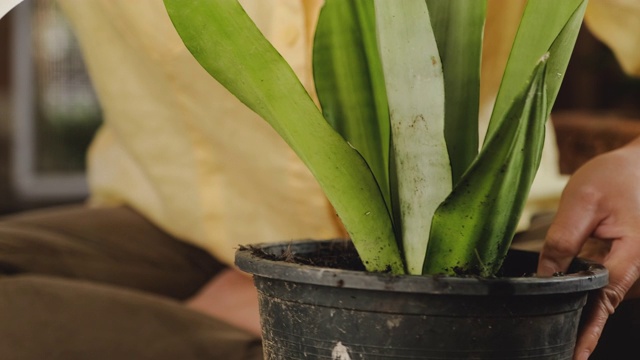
(311, 312)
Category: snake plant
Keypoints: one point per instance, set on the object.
(395, 143)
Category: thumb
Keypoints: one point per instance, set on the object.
(575, 221)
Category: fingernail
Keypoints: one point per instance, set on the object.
(546, 268)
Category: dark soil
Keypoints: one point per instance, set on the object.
(342, 255)
(335, 255)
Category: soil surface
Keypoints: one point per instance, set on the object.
(342, 255)
(336, 255)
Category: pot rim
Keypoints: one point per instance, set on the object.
(591, 276)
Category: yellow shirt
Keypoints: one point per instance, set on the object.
(177, 147)
(617, 24)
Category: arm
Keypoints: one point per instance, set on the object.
(231, 297)
(601, 201)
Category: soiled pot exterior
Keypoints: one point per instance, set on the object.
(321, 313)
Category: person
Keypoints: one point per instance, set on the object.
(180, 175)
(599, 210)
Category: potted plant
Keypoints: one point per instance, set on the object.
(395, 148)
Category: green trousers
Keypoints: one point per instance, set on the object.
(81, 283)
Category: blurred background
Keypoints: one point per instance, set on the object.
(49, 112)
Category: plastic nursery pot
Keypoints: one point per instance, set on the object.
(315, 312)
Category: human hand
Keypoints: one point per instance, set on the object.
(601, 201)
(231, 297)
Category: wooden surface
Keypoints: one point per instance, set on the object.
(583, 135)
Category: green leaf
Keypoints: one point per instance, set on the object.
(415, 91)
(225, 41)
(537, 35)
(458, 26)
(349, 82)
(470, 227)
(474, 227)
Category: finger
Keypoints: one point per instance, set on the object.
(575, 220)
(624, 270)
(623, 264)
(597, 314)
(596, 249)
